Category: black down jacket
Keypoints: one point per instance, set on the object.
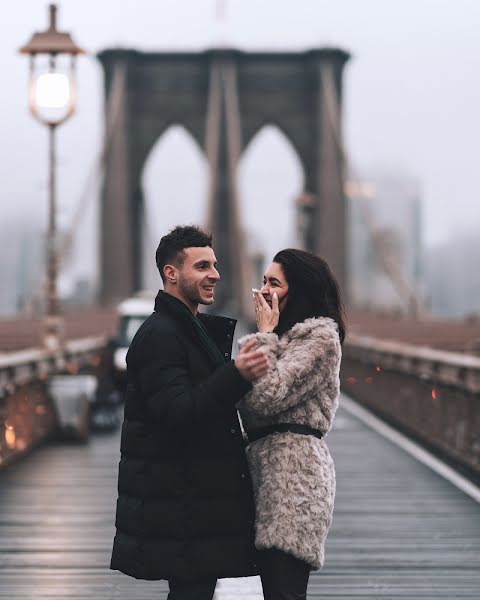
(185, 508)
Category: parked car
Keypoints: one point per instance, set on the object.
(132, 312)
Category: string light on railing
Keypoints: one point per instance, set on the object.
(10, 437)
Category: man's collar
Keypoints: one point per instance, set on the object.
(220, 329)
(173, 304)
(181, 310)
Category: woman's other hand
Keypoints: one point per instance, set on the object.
(266, 315)
(251, 362)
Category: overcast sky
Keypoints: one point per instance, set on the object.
(412, 95)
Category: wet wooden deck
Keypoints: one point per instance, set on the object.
(400, 530)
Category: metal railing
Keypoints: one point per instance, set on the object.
(27, 412)
(431, 394)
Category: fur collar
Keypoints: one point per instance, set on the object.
(317, 326)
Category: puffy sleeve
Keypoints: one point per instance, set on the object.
(298, 367)
(160, 366)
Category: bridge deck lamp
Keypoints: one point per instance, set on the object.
(52, 100)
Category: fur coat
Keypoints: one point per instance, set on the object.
(294, 475)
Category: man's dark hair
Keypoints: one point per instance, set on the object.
(171, 247)
(312, 290)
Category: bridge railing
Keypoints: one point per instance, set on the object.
(432, 395)
(28, 413)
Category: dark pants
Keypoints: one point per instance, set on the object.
(284, 577)
(191, 590)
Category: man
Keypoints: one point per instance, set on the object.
(185, 508)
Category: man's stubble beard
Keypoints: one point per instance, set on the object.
(190, 291)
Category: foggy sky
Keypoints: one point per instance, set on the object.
(411, 100)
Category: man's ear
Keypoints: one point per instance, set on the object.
(170, 273)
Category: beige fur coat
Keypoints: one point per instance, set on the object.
(294, 475)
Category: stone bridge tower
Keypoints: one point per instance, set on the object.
(223, 98)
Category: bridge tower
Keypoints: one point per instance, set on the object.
(223, 97)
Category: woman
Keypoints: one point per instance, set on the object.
(287, 415)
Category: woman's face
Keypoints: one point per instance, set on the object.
(274, 281)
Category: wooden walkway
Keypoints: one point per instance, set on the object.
(400, 530)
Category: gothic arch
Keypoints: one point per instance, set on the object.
(272, 176)
(173, 183)
(283, 130)
(222, 97)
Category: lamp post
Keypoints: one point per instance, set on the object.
(52, 100)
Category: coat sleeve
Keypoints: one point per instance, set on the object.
(296, 370)
(160, 365)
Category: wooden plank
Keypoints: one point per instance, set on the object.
(400, 531)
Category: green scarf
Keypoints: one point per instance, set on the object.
(210, 346)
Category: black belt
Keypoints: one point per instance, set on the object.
(260, 432)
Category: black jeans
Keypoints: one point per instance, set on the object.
(191, 590)
(284, 577)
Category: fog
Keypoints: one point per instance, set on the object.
(411, 102)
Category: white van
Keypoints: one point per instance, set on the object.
(132, 312)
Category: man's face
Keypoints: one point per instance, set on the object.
(198, 276)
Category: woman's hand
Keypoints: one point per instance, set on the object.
(251, 362)
(267, 317)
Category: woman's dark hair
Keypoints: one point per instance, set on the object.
(312, 290)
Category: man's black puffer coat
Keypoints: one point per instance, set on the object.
(185, 508)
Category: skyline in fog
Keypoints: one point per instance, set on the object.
(411, 96)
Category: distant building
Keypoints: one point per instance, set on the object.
(22, 260)
(453, 277)
(384, 237)
(82, 294)
(23, 265)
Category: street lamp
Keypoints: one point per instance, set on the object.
(52, 100)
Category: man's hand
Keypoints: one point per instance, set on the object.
(251, 363)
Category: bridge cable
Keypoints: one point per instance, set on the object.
(388, 262)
